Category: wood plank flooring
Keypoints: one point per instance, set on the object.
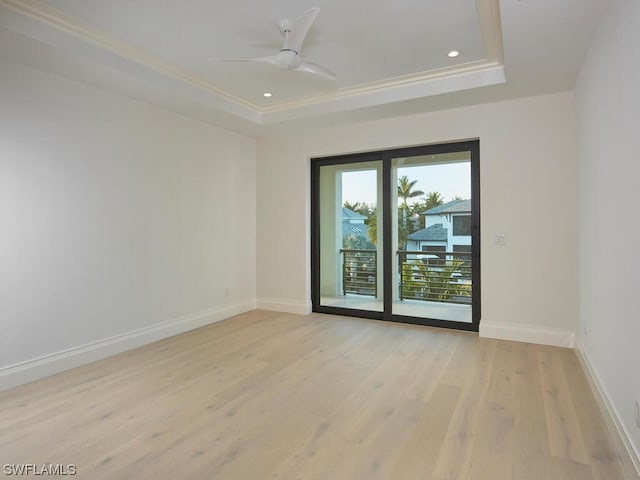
(278, 396)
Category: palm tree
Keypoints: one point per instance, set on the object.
(372, 231)
(433, 199)
(405, 192)
(372, 223)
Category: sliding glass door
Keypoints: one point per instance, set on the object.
(395, 235)
(432, 238)
(350, 257)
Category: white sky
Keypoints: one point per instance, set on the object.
(450, 180)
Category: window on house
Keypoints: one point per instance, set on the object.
(462, 225)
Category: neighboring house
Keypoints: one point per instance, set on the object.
(431, 239)
(355, 234)
(447, 229)
(351, 217)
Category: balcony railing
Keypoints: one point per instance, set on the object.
(359, 272)
(427, 276)
(435, 276)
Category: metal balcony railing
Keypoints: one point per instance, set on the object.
(427, 276)
(359, 272)
(435, 276)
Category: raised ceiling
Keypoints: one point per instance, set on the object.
(388, 56)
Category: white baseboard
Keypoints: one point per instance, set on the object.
(528, 333)
(41, 367)
(287, 306)
(629, 456)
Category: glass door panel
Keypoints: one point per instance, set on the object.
(350, 255)
(432, 237)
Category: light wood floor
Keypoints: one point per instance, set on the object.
(279, 396)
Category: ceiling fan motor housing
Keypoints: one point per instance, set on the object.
(286, 58)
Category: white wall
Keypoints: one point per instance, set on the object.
(528, 193)
(115, 217)
(608, 102)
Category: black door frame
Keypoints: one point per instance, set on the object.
(386, 156)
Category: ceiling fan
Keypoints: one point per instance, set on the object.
(289, 54)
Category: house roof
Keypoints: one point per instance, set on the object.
(359, 229)
(348, 214)
(434, 233)
(454, 206)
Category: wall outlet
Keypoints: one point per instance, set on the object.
(638, 413)
(226, 292)
(500, 240)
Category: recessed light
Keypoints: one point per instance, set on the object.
(267, 94)
(453, 53)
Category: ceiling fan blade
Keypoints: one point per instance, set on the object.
(300, 28)
(267, 59)
(315, 68)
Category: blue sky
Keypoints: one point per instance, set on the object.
(450, 180)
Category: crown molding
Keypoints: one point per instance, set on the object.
(392, 83)
(491, 30)
(45, 14)
(37, 20)
(428, 85)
